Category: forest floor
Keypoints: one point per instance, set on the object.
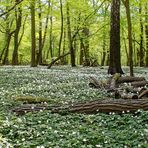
(65, 85)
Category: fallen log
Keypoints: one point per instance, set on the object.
(106, 106)
(139, 83)
(29, 108)
(94, 83)
(128, 79)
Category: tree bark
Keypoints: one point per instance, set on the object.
(18, 20)
(128, 79)
(105, 106)
(146, 33)
(115, 61)
(62, 23)
(50, 37)
(72, 53)
(126, 3)
(39, 53)
(33, 37)
(141, 52)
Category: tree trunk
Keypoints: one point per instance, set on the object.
(33, 38)
(85, 35)
(141, 52)
(115, 61)
(126, 3)
(44, 57)
(61, 35)
(104, 39)
(8, 36)
(146, 33)
(63, 60)
(18, 19)
(8, 39)
(72, 53)
(39, 53)
(50, 37)
(81, 52)
(125, 46)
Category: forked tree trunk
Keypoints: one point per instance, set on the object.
(18, 20)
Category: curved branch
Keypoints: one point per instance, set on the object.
(11, 8)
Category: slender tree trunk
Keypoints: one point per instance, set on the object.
(50, 50)
(2, 53)
(81, 52)
(141, 52)
(39, 54)
(70, 38)
(33, 38)
(5, 60)
(18, 16)
(46, 25)
(62, 21)
(104, 40)
(115, 61)
(8, 36)
(134, 51)
(126, 3)
(125, 46)
(51, 38)
(146, 34)
(85, 41)
(63, 60)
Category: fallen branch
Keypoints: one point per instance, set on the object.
(143, 94)
(128, 79)
(29, 108)
(58, 58)
(139, 83)
(105, 106)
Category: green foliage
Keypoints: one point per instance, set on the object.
(30, 99)
(64, 85)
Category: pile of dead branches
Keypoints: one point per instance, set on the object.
(123, 87)
(129, 95)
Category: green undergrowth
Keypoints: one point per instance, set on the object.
(64, 85)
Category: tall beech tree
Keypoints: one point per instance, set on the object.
(115, 61)
(33, 37)
(8, 36)
(141, 51)
(128, 14)
(72, 53)
(39, 53)
(62, 26)
(18, 21)
(146, 33)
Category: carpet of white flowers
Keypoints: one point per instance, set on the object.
(65, 85)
